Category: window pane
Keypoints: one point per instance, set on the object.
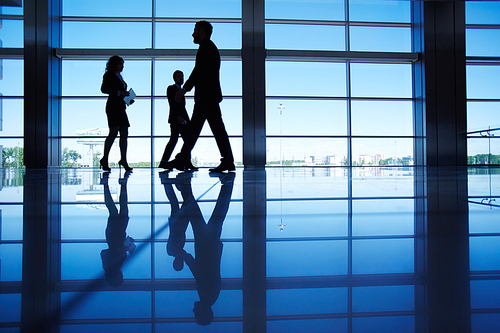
(306, 117)
(380, 11)
(380, 39)
(383, 217)
(331, 10)
(232, 115)
(231, 78)
(12, 215)
(302, 37)
(482, 218)
(478, 150)
(306, 258)
(384, 324)
(382, 182)
(484, 253)
(138, 151)
(107, 304)
(381, 151)
(479, 42)
(306, 151)
(483, 115)
(382, 118)
(11, 33)
(136, 74)
(206, 153)
(128, 35)
(199, 8)
(84, 117)
(483, 294)
(74, 72)
(11, 117)
(483, 81)
(13, 157)
(382, 256)
(383, 298)
(164, 71)
(11, 308)
(335, 325)
(9, 10)
(179, 35)
(126, 8)
(305, 79)
(139, 116)
(11, 256)
(381, 80)
(11, 82)
(306, 301)
(482, 12)
(323, 219)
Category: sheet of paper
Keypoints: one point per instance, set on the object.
(130, 97)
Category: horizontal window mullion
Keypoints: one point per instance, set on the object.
(341, 56)
(388, 99)
(145, 19)
(11, 17)
(284, 136)
(129, 136)
(338, 23)
(482, 61)
(483, 100)
(482, 26)
(139, 54)
(11, 53)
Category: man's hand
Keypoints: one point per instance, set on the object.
(179, 95)
(181, 120)
(124, 93)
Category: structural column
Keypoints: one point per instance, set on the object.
(254, 91)
(41, 83)
(443, 66)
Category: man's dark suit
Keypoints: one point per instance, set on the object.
(176, 128)
(207, 96)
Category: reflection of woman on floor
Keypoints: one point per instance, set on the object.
(118, 243)
(205, 266)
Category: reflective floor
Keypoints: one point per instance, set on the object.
(275, 250)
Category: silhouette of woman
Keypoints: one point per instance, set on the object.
(116, 88)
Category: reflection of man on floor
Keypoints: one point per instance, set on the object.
(205, 266)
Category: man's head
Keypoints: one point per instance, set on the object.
(202, 30)
(178, 77)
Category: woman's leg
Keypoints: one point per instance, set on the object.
(123, 143)
(113, 132)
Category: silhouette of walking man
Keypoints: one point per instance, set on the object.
(205, 79)
(178, 119)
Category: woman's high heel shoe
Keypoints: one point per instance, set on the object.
(124, 165)
(104, 165)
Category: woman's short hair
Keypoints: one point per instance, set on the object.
(112, 62)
